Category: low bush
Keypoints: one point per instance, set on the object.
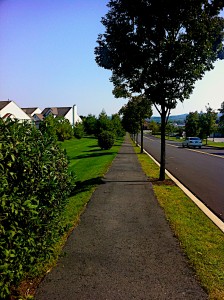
(106, 140)
(34, 188)
(78, 130)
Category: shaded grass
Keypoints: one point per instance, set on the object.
(199, 238)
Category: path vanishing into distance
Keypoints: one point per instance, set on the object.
(123, 247)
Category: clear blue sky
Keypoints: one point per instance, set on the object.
(47, 59)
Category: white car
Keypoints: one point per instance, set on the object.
(192, 142)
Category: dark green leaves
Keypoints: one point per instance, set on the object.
(34, 187)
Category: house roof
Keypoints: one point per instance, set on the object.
(58, 111)
(4, 103)
(29, 110)
(38, 116)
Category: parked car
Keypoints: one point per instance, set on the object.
(192, 142)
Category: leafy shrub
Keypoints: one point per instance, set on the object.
(64, 129)
(90, 123)
(103, 123)
(106, 140)
(34, 187)
(117, 126)
(78, 130)
(57, 128)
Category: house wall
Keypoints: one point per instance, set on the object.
(36, 111)
(69, 116)
(13, 109)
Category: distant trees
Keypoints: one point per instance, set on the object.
(160, 48)
(207, 123)
(154, 127)
(89, 124)
(192, 124)
(201, 124)
(105, 128)
(78, 130)
(134, 114)
(221, 120)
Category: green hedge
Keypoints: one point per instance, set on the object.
(34, 187)
(106, 140)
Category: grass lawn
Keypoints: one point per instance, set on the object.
(213, 144)
(199, 238)
(89, 163)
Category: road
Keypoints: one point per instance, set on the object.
(200, 170)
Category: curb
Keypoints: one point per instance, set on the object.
(202, 207)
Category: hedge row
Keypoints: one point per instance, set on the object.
(34, 188)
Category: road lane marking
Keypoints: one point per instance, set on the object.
(219, 223)
(206, 153)
(194, 150)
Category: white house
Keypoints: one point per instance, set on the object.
(69, 113)
(9, 109)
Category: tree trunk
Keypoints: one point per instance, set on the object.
(141, 138)
(163, 146)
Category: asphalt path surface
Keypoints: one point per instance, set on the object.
(200, 170)
(123, 248)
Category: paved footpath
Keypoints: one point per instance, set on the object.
(123, 247)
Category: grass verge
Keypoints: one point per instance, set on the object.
(89, 163)
(199, 238)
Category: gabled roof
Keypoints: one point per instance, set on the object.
(4, 103)
(57, 111)
(29, 110)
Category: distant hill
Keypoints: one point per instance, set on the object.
(177, 118)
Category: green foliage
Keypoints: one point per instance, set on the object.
(57, 128)
(170, 128)
(201, 124)
(34, 187)
(207, 122)
(135, 112)
(171, 44)
(48, 127)
(192, 124)
(117, 126)
(106, 140)
(89, 124)
(221, 119)
(78, 130)
(64, 129)
(103, 123)
(155, 127)
(94, 126)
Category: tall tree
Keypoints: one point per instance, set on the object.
(207, 123)
(192, 124)
(160, 48)
(134, 114)
(221, 119)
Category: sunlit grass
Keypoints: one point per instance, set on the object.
(89, 163)
(199, 238)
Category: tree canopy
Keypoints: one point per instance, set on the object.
(134, 114)
(160, 48)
